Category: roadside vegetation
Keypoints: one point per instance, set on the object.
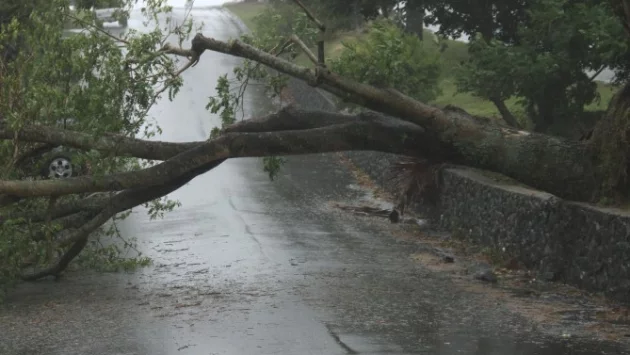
(451, 54)
(524, 69)
(75, 83)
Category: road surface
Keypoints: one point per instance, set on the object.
(249, 266)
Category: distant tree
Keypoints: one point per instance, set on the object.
(544, 60)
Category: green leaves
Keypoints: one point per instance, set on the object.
(556, 44)
(387, 57)
(276, 23)
(97, 83)
(226, 102)
(272, 166)
(272, 29)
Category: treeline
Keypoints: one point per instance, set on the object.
(544, 53)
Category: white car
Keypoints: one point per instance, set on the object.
(111, 15)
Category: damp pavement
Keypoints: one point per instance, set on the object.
(252, 266)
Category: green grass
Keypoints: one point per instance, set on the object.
(455, 53)
(332, 48)
(246, 11)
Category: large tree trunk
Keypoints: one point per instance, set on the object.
(556, 165)
(569, 169)
(552, 164)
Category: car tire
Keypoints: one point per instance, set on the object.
(59, 167)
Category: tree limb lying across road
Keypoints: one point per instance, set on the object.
(359, 132)
(393, 123)
(462, 139)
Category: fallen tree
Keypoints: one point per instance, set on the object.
(394, 123)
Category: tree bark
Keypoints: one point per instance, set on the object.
(412, 128)
(552, 164)
(359, 132)
(556, 165)
(507, 116)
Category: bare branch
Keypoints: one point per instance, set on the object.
(382, 100)
(90, 204)
(310, 15)
(295, 39)
(596, 73)
(321, 58)
(293, 118)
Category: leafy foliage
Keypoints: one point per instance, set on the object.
(273, 27)
(276, 23)
(547, 67)
(493, 19)
(92, 82)
(110, 251)
(387, 57)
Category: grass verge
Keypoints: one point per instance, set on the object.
(455, 53)
(246, 11)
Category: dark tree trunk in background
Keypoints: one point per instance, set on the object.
(356, 17)
(484, 10)
(415, 18)
(507, 116)
(385, 11)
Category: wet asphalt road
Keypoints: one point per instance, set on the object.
(249, 266)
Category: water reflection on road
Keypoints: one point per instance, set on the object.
(247, 266)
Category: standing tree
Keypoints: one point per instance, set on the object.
(545, 60)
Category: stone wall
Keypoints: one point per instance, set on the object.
(579, 244)
(570, 242)
(574, 243)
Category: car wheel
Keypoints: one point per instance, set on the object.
(59, 167)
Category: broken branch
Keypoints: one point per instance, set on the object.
(469, 141)
(115, 144)
(374, 134)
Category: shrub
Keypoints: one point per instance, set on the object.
(387, 57)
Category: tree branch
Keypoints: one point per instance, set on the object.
(321, 58)
(468, 141)
(295, 39)
(114, 144)
(382, 100)
(596, 73)
(378, 133)
(88, 205)
(78, 238)
(293, 118)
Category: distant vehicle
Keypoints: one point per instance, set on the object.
(51, 162)
(59, 165)
(111, 15)
(105, 10)
(60, 162)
